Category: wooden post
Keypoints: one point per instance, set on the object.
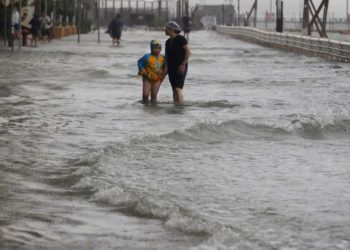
(255, 12)
(309, 8)
(254, 8)
(279, 16)
(306, 18)
(223, 15)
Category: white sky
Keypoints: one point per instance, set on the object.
(291, 7)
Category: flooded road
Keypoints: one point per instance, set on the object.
(256, 158)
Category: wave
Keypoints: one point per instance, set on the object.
(75, 170)
(201, 61)
(209, 132)
(151, 204)
(318, 127)
(98, 73)
(169, 106)
(306, 127)
(5, 91)
(214, 104)
(118, 175)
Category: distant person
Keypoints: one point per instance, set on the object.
(8, 23)
(15, 22)
(151, 68)
(25, 29)
(35, 27)
(115, 29)
(45, 26)
(177, 53)
(186, 24)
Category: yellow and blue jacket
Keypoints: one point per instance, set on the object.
(151, 67)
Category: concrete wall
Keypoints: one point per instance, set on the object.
(330, 49)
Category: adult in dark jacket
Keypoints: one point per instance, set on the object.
(34, 30)
(186, 24)
(115, 29)
(177, 53)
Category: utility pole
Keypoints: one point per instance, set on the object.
(255, 13)
(238, 12)
(347, 14)
(305, 17)
(79, 19)
(106, 11)
(75, 13)
(20, 26)
(54, 15)
(5, 21)
(98, 21)
(279, 16)
(167, 10)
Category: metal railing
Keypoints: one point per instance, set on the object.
(331, 49)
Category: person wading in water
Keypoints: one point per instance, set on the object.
(177, 53)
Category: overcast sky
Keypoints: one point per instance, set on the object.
(291, 7)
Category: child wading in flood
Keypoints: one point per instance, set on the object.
(151, 68)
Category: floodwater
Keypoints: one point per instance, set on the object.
(256, 158)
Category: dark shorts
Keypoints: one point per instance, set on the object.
(45, 32)
(16, 27)
(35, 32)
(176, 79)
(116, 34)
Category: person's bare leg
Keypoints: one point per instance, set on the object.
(146, 90)
(174, 95)
(154, 92)
(178, 95)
